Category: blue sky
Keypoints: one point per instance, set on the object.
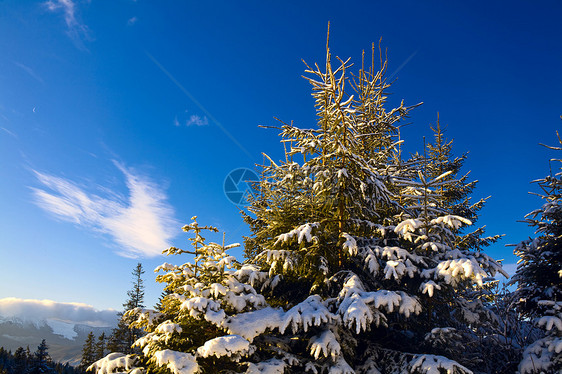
(120, 120)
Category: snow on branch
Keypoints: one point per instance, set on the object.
(310, 312)
(431, 364)
(350, 244)
(539, 356)
(303, 232)
(229, 345)
(325, 344)
(428, 287)
(177, 362)
(271, 366)
(251, 324)
(115, 361)
(451, 220)
(451, 270)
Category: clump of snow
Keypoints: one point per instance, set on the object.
(201, 305)
(251, 274)
(356, 312)
(325, 344)
(229, 345)
(251, 324)
(360, 308)
(452, 221)
(430, 364)
(303, 232)
(428, 287)
(272, 366)
(350, 244)
(538, 357)
(310, 312)
(550, 321)
(177, 362)
(148, 316)
(406, 228)
(165, 267)
(451, 270)
(341, 367)
(115, 361)
(167, 329)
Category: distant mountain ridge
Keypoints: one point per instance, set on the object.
(63, 346)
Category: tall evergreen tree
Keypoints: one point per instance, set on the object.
(100, 347)
(21, 360)
(349, 244)
(123, 336)
(470, 316)
(41, 362)
(358, 226)
(6, 361)
(539, 277)
(200, 295)
(20, 363)
(88, 351)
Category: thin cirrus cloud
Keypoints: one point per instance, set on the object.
(38, 310)
(29, 71)
(140, 226)
(75, 28)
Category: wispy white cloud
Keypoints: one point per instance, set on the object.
(29, 71)
(75, 28)
(192, 120)
(132, 21)
(195, 120)
(142, 225)
(11, 133)
(39, 310)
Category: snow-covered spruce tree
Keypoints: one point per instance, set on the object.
(356, 262)
(192, 331)
(471, 315)
(539, 277)
(362, 238)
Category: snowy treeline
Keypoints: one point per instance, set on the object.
(23, 361)
(360, 261)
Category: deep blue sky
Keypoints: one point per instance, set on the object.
(109, 138)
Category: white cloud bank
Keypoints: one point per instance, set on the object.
(140, 226)
(40, 310)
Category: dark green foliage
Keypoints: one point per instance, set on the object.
(539, 276)
(41, 362)
(21, 362)
(100, 347)
(123, 336)
(358, 261)
(344, 215)
(88, 352)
